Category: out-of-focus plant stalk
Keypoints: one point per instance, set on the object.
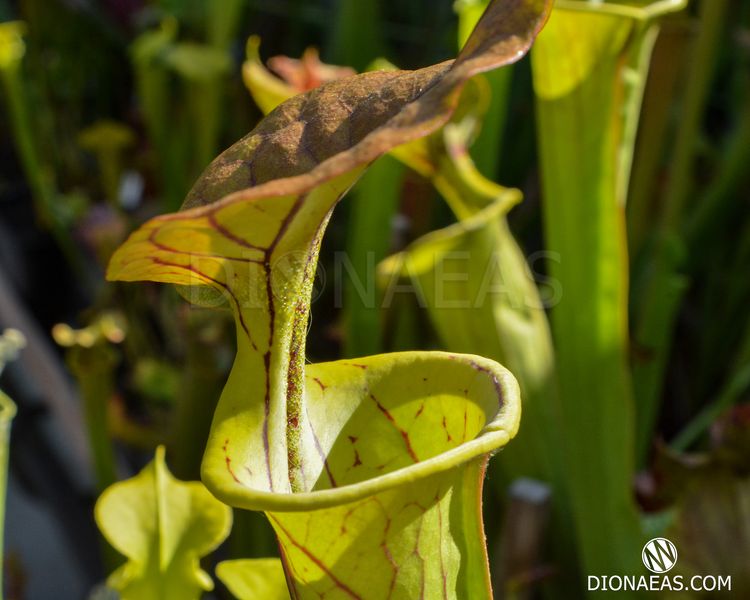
(589, 67)
(654, 131)
(206, 92)
(199, 388)
(487, 147)
(702, 67)
(358, 37)
(12, 51)
(666, 285)
(94, 371)
(152, 83)
(7, 413)
(203, 92)
(11, 342)
(374, 202)
(92, 360)
(38, 176)
(107, 140)
(737, 384)
(373, 207)
(223, 22)
(185, 140)
(706, 216)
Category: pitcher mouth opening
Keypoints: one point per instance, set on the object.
(498, 406)
(241, 496)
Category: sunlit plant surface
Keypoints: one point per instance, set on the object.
(577, 218)
(342, 457)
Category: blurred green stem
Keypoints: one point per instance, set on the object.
(663, 292)
(589, 66)
(223, 22)
(152, 84)
(702, 67)
(94, 368)
(707, 215)
(199, 391)
(373, 207)
(738, 384)
(204, 101)
(358, 37)
(654, 131)
(7, 412)
(185, 127)
(487, 147)
(39, 177)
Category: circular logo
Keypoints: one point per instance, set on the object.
(659, 555)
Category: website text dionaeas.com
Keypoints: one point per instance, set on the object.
(659, 556)
(659, 583)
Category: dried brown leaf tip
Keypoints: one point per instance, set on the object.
(308, 72)
(347, 123)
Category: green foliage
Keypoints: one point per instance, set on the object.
(374, 206)
(11, 342)
(486, 149)
(664, 287)
(589, 69)
(477, 287)
(93, 360)
(38, 173)
(342, 456)
(481, 296)
(254, 579)
(12, 51)
(625, 363)
(184, 126)
(353, 44)
(163, 527)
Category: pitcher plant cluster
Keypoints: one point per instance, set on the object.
(342, 457)
(370, 469)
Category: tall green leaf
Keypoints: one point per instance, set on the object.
(589, 68)
(487, 147)
(481, 297)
